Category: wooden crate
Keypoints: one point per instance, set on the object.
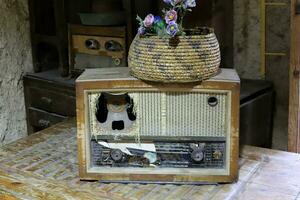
(80, 34)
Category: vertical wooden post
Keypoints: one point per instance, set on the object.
(129, 6)
(262, 39)
(294, 136)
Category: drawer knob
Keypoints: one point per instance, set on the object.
(46, 100)
(44, 123)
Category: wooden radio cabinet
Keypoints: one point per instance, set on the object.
(129, 130)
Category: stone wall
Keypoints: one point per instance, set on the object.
(247, 38)
(15, 60)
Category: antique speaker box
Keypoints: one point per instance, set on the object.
(135, 131)
(96, 47)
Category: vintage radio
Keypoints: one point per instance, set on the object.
(96, 47)
(135, 131)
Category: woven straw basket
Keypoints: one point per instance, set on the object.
(187, 58)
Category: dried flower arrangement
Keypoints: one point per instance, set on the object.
(163, 51)
(171, 24)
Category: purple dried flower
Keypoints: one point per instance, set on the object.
(148, 21)
(172, 28)
(189, 4)
(141, 30)
(168, 1)
(171, 16)
(172, 2)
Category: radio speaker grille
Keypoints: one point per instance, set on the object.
(172, 114)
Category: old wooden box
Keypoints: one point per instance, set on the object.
(135, 131)
(96, 47)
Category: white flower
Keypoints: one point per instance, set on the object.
(189, 4)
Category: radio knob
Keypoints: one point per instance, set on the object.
(217, 154)
(197, 155)
(212, 101)
(116, 155)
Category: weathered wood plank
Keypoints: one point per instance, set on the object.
(44, 166)
(293, 128)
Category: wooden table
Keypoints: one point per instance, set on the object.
(44, 166)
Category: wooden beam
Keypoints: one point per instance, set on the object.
(293, 129)
(262, 39)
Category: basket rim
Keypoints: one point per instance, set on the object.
(195, 32)
(154, 78)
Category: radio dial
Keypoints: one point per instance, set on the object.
(116, 155)
(212, 101)
(197, 155)
(92, 44)
(114, 46)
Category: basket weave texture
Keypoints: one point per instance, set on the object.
(181, 59)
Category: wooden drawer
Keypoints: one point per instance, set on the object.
(49, 98)
(52, 101)
(40, 119)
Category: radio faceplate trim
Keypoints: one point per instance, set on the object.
(199, 171)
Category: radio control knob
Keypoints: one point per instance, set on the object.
(116, 155)
(217, 154)
(197, 155)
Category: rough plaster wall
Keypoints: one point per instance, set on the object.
(246, 38)
(15, 60)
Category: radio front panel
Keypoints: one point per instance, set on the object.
(155, 129)
(130, 130)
